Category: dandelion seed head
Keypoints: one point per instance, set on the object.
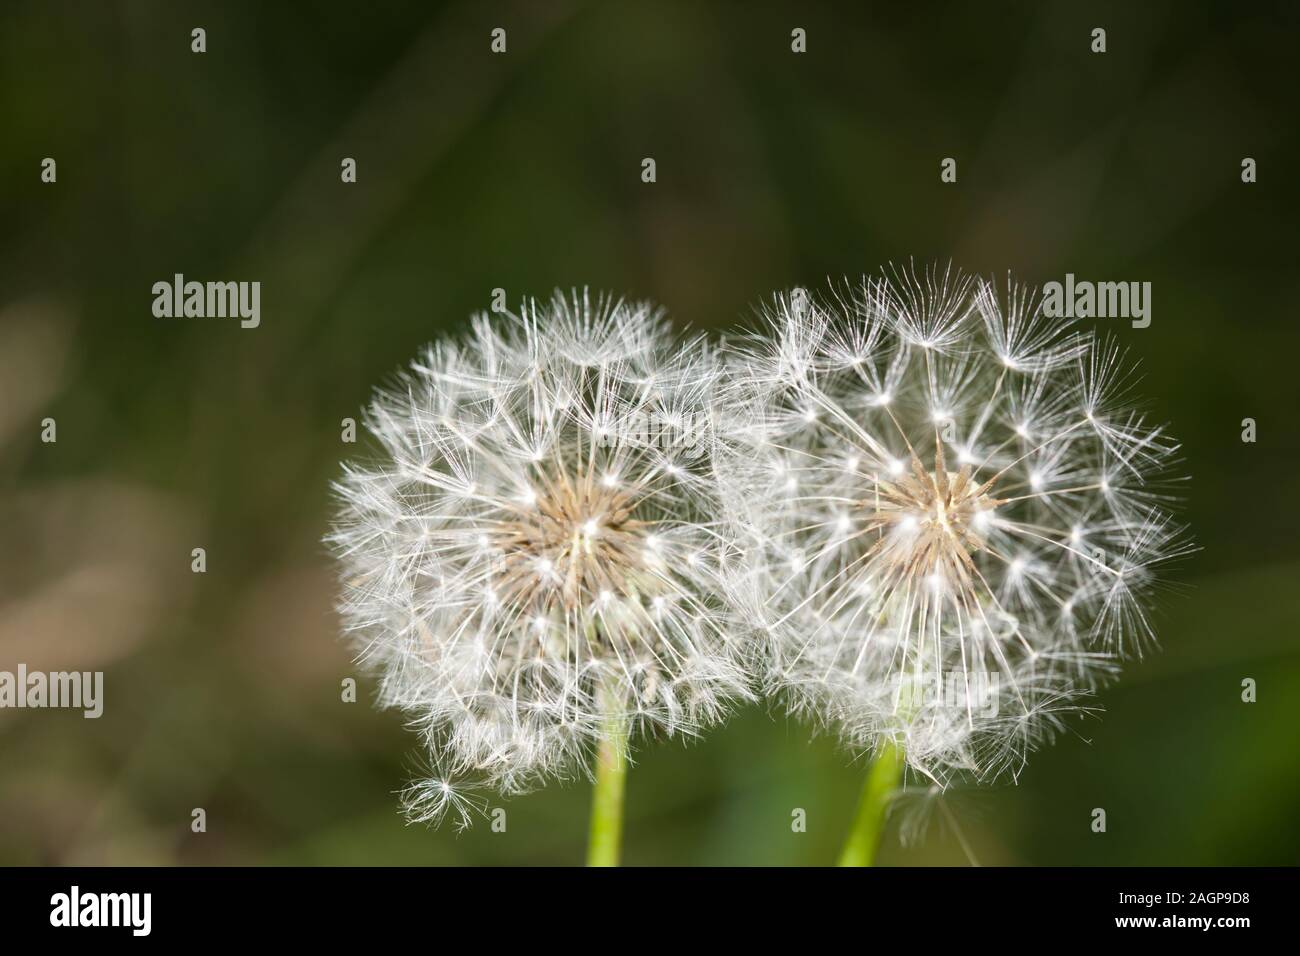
(964, 615)
(523, 565)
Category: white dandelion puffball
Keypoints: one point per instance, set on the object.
(951, 516)
(531, 564)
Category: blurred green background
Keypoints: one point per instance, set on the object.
(522, 171)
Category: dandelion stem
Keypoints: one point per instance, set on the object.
(605, 833)
(882, 780)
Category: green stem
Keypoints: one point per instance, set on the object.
(882, 780)
(605, 834)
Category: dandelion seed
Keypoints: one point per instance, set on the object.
(433, 798)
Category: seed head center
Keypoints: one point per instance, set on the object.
(573, 544)
(931, 521)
